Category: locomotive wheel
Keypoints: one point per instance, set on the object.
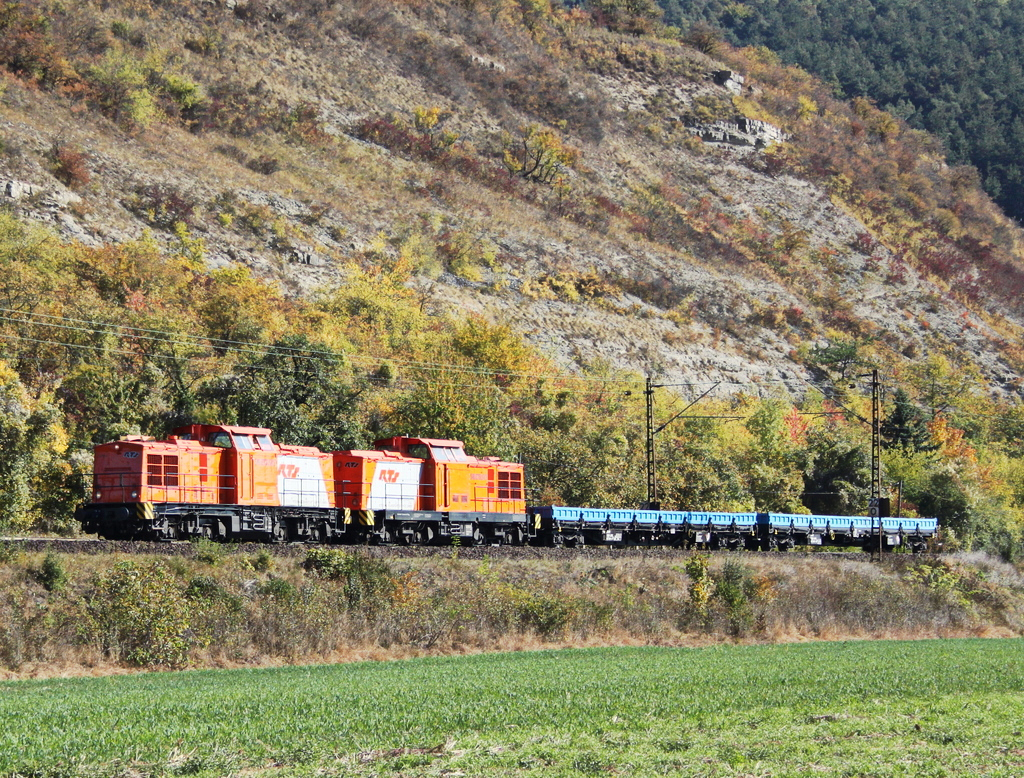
(424, 536)
(279, 533)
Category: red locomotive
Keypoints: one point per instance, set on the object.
(235, 483)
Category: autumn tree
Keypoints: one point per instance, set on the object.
(34, 470)
(300, 390)
(453, 403)
(636, 17)
(495, 347)
(771, 465)
(837, 472)
(537, 154)
(696, 472)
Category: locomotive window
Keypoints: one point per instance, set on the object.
(219, 439)
(419, 450)
(447, 454)
(263, 443)
(243, 442)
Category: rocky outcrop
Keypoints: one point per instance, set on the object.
(741, 132)
(730, 80)
(54, 198)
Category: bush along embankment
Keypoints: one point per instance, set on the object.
(216, 606)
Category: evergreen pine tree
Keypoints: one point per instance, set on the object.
(905, 427)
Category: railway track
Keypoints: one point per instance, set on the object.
(188, 549)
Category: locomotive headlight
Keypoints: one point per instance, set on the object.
(135, 494)
(99, 496)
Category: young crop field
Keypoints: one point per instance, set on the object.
(928, 708)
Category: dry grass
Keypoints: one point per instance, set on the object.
(453, 606)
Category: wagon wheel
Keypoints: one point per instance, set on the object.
(424, 536)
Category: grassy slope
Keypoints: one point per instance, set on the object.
(834, 709)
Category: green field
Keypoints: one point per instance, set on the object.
(929, 708)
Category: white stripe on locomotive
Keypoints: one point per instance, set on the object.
(394, 486)
(300, 482)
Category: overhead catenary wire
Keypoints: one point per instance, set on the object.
(166, 336)
(312, 355)
(123, 331)
(404, 383)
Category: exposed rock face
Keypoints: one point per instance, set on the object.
(55, 198)
(16, 190)
(305, 255)
(730, 80)
(742, 132)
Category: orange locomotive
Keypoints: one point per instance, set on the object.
(235, 483)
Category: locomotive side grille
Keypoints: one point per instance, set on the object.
(162, 470)
(510, 486)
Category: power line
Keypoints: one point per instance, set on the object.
(401, 383)
(94, 327)
(104, 328)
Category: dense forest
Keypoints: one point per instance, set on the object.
(951, 67)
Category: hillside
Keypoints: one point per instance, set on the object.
(357, 179)
(686, 251)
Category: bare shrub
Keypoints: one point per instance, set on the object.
(704, 38)
(236, 109)
(264, 164)
(162, 205)
(290, 621)
(654, 288)
(856, 601)
(22, 629)
(70, 165)
(209, 43)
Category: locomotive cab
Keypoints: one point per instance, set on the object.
(229, 465)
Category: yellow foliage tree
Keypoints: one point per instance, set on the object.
(537, 154)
